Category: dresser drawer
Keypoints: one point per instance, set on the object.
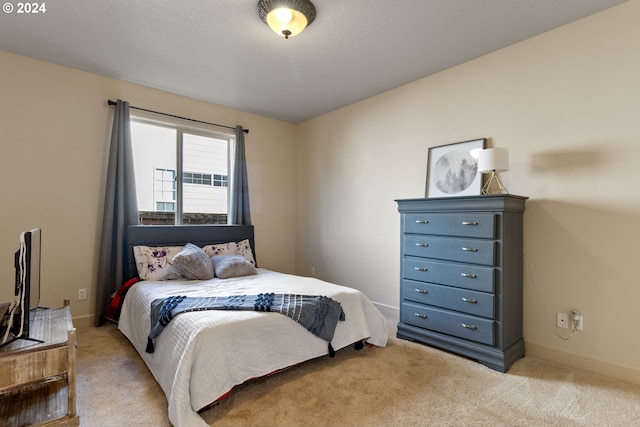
(466, 276)
(450, 323)
(450, 248)
(472, 224)
(463, 300)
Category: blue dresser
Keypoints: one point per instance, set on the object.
(461, 276)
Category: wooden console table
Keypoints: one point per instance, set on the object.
(38, 380)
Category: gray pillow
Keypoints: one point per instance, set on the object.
(227, 266)
(193, 263)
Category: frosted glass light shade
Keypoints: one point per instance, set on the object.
(493, 159)
(287, 17)
(286, 22)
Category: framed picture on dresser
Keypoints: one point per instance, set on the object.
(452, 169)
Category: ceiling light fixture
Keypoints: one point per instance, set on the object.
(287, 17)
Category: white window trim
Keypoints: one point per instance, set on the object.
(185, 126)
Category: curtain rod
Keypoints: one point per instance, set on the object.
(110, 102)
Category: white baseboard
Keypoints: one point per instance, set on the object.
(595, 366)
(392, 314)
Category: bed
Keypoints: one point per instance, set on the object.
(201, 356)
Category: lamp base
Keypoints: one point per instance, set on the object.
(488, 187)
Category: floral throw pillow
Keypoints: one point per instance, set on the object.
(232, 248)
(154, 262)
(244, 248)
(220, 249)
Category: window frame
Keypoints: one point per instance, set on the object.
(182, 128)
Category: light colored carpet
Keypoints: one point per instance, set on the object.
(404, 384)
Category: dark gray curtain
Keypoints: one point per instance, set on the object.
(239, 212)
(120, 210)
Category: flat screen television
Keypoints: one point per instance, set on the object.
(27, 286)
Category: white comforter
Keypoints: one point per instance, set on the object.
(200, 356)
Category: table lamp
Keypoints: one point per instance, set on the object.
(493, 160)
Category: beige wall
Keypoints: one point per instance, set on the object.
(566, 105)
(54, 126)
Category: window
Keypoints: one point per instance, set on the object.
(220, 181)
(197, 178)
(164, 189)
(165, 206)
(181, 173)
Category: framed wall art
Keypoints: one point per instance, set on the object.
(452, 169)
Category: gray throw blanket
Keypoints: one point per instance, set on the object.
(318, 314)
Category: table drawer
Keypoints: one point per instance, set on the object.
(463, 300)
(466, 276)
(450, 248)
(472, 224)
(450, 323)
(27, 368)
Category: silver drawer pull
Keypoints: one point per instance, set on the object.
(469, 249)
(469, 222)
(419, 269)
(422, 245)
(472, 327)
(472, 276)
(421, 291)
(470, 300)
(422, 221)
(422, 316)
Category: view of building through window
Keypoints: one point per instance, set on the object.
(181, 174)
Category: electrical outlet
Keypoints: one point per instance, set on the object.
(576, 317)
(313, 271)
(563, 320)
(82, 294)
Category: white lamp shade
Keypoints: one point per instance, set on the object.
(493, 159)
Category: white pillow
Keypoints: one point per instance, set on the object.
(154, 263)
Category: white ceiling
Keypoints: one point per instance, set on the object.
(220, 51)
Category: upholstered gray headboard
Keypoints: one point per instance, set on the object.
(178, 235)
